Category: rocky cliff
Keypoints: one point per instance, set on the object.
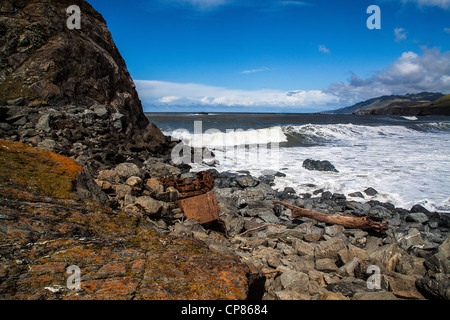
(57, 80)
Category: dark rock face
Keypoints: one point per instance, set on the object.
(41, 59)
(69, 91)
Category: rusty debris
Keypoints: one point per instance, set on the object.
(203, 208)
(190, 188)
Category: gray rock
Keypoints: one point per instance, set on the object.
(127, 170)
(246, 181)
(348, 286)
(419, 217)
(437, 289)
(380, 213)
(371, 192)
(294, 280)
(329, 249)
(419, 208)
(101, 112)
(317, 165)
(44, 123)
(409, 239)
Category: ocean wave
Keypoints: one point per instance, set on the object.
(433, 127)
(308, 135)
(304, 135)
(230, 138)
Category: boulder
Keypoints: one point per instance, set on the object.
(317, 165)
(371, 191)
(151, 206)
(127, 170)
(329, 248)
(386, 256)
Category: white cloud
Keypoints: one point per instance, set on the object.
(324, 49)
(204, 4)
(255, 70)
(192, 94)
(447, 30)
(445, 4)
(400, 34)
(168, 99)
(411, 73)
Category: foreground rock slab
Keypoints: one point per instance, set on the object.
(45, 228)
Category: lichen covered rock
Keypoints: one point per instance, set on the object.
(45, 228)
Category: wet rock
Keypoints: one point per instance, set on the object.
(317, 165)
(419, 208)
(246, 181)
(371, 192)
(419, 217)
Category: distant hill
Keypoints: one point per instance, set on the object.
(424, 103)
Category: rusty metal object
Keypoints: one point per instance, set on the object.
(190, 188)
(203, 208)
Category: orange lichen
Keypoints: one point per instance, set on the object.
(37, 171)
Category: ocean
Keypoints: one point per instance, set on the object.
(406, 159)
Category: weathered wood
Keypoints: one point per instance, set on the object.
(363, 223)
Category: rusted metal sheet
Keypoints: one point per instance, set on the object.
(190, 188)
(203, 208)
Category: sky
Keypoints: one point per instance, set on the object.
(279, 55)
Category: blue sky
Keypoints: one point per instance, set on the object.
(278, 55)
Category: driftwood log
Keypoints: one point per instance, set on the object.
(363, 223)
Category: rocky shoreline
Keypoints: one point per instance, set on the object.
(301, 258)
(82, 175)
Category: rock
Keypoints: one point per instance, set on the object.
(44, 123)
(411, 239)
(348, 269)
(379, 213)
(317, 165)
(135, 182)
(101, 112)
(127, 170)
(294, 280)
(348, 286)
(419, 217)
(303, 248)
(333, 296)
(438, 288)
(356, 195)
(439, 262)
(326, 265)
(48, 227)
(411, 265)
(402, 286)
(312, 237)
(246, 181)
(374, 295)
(45, 70)
(386, 256)
(151, 206)
(329, 249)
(419, 208)
(371, 192)
(291, 295)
